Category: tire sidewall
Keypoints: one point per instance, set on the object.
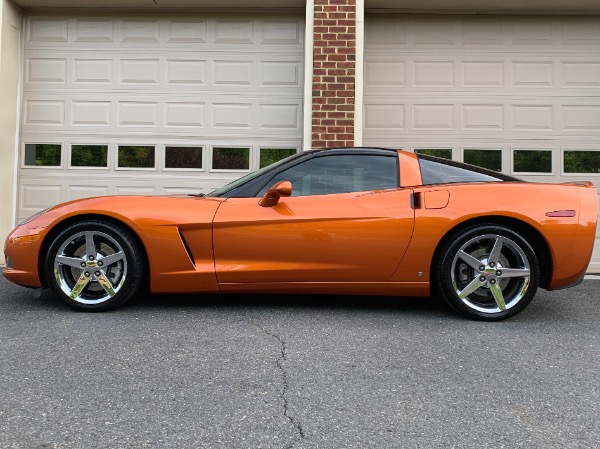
(443, 278)
(133, 257)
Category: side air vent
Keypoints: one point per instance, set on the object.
(187, 248)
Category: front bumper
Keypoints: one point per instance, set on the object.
(21, 251)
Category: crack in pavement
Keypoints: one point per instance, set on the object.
(281, 365)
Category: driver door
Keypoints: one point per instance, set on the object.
(346, 221)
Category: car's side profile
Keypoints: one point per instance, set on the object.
(341, 221)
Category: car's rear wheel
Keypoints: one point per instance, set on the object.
(94, 265)
(487, 272)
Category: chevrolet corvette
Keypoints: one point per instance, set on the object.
(362, 221)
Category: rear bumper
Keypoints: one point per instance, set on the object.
(572, 271)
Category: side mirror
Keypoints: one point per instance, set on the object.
(276, 191)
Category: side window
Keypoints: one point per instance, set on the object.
(326, 175)
(441, 171)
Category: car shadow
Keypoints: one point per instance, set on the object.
(544, 308)
(420, 305)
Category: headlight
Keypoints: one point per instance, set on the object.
(33, 217)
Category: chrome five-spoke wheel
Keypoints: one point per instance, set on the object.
(90, 267)
(94, 265)
(488, 272)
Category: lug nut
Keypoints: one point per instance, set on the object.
(97, 273)
(100, 263)
(481, 268)
(82, 264)
(91, 257)
(498, 273)
(492, 264)
(493, 281)
(87, 274)
(482, 278)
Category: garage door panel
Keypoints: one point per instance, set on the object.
(505, 86)
(176, 32)
(165, 74)
(465, 74)
(149, 85)
(469, 117)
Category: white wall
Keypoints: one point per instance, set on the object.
(10, 26)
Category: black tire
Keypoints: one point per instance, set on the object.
(95, 265)
(483, 287)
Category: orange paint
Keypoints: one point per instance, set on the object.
(380, 242)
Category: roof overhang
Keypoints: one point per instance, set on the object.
(398, 5)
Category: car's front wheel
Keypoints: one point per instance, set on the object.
(94, 265)
(487, 272)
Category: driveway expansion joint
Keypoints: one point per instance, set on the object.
(284, 379)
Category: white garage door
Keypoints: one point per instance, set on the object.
(155, 105)
(516, 94)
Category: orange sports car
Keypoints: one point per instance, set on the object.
(341, 221)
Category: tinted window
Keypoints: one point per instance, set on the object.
(339, 174)
(440, 171)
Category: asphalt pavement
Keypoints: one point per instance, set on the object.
(298, 371)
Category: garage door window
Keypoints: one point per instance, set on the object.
(136, 157)
(95, 156)
(581, 161)
(445, 153)
(269, 156)
(230, 158)
(490, 159)
(532, 161)
(42, 155)
(187, 158)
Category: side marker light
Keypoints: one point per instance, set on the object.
(561, 213)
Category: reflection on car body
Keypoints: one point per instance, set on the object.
(340, 221)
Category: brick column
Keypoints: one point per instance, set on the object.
(334, 73)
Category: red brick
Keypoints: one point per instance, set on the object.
(346, 51)
(340, 94)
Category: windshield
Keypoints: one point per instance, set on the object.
(250, 176)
